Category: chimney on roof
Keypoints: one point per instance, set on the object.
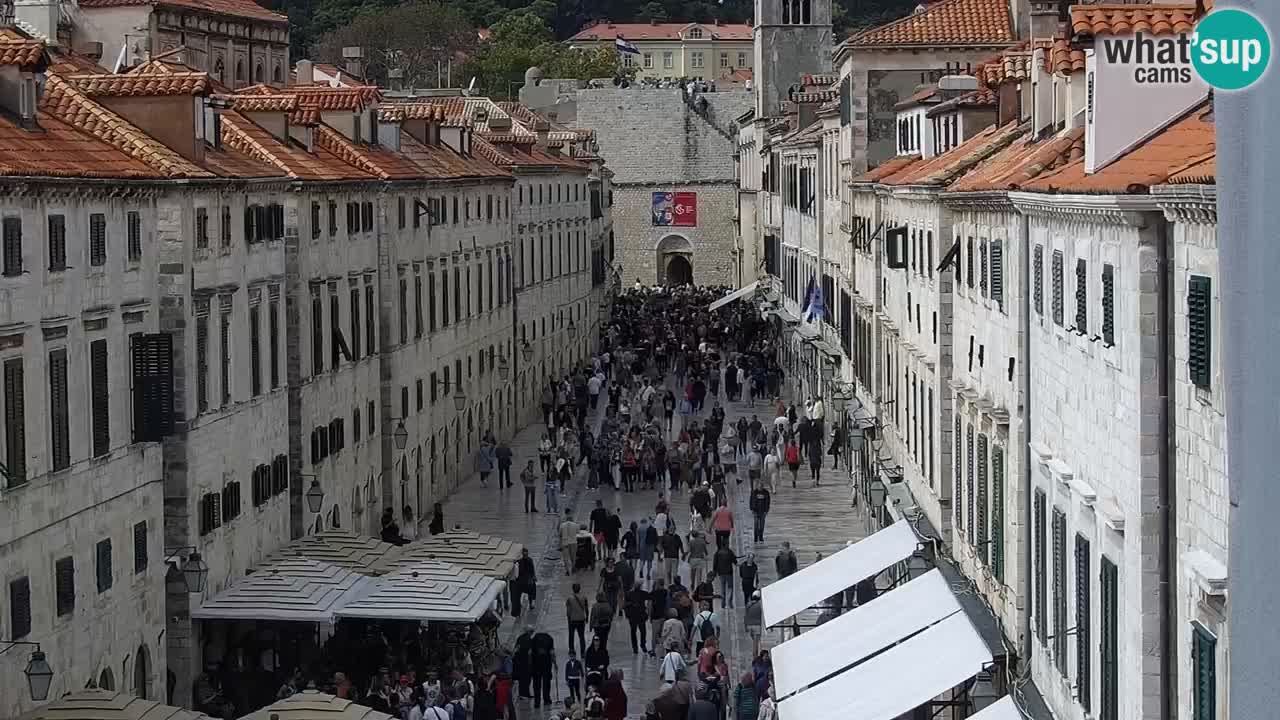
(42, 16)
(542, 129)
(395, 78)
(306, 72)
(353, 57)
(92, 50)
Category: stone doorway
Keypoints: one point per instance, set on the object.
(679, 271)
(675, 261)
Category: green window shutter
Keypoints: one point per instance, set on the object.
(1199, 350)
(1204, 647)
(997, 272)
(1041, 613)
(1037, 279)
(1109, 643)
(969, 489)
(1057, 287)
(1108, 305)
(958, 480)
(1060, 591)
(983, 530)
(1084, 649)
(997, 512)
(1082, 296)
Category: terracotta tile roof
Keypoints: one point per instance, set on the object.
(1202, 171)
(396, 112)
(1022, 162)
(288, 159)
(818, 80)
(945, 168)
(71, 63)
(945, 23)
(815, 97)
(442, 162)
(980, 98)
(887, 168)
(739, 75)
(1062, 58)
(374, 160)
(511, 155)
(518, 112)
(18, 49)
(305, 117)
(1010, 66)
(61, 150)
(352, 99)
(134, 84)
(509, 138)
(1165, 154)
(1117, 19)
(457, 112)
(62, 100)
(264, 103)
(246, 9)
(659, 31)
(923, 95)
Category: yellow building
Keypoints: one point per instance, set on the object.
(698, 51)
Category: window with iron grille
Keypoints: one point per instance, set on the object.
(1084, 648)
(1057, 287)
(997, 512)
(102, 565)
(59, 417)
(370, 327)
(983, 492)
(1199, 328)
(970, 482)
(417, 305)
(1040, 539)
(1082, 296)
(97, 239)
(224, 333)
(12, 246)
(1060, 591)
(317, 331)
(273, 337)
(225, 228)
(19, 608)
(202, 359)
(1037, 279)
(57, 242)
(140, 546)
(1204, 673)
(1108, 305)
(958, 481)
(133, 224)
(99, 394)
(1109, 643)
(64, 583)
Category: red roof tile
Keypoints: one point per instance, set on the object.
(659, 31)
(264, 103)
(141, 84)
(945, 168)
(925, 95)
(18, 49)
(1021, 162)
(323, 98)
(288, 159)
(374, 160)
(246, 9)
(1151, 163)
(443, 163)
(1201, 171)
(396, 112)
(308, 117)
(1063, 58)
(945, 23)
(887, 168)
(61, 150)
(71, 63)
(1117, 19)
(980, 98)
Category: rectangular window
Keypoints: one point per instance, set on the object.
(1109, 643)
(431, 300)
(419, 395)
(668, 60)
(1060, 591)
(1056, 279)
(1199, 328)
(370, 334)
(133, 221)
(202, 228)
(12, 246)
(742, 59)
(273, 340)
(1084, 648)
(355, 322)
(102, 565)
(400, 214)
(457, 293)
(315, 220)
(1040, 540)
(1082, 296)
(404, 310)
(333, 218)
(444, 297)
(317, 332)
(417, 305)
(648, 61)
(64, 582)
(969, 261)
(225, 228)
(59, 414)
(997, 272)
(99, 392)
(983, 531)
(1037, 279)
(997, 512)
(255, 351)
(1204, 674)
(202, 360)
(224, 338)
(57, 243)
(970, 485)
(97, 239)
(140, 546)
(19, 608)
(151, 373)
(1108, 305)
(15, 422)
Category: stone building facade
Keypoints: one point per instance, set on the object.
(670, 141)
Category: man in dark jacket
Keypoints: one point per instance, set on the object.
(526, 582)
(521, 661)
(786, 563)
(542, 664)
(638, 616)
(759, 504)
(596, 524)
(723, 564)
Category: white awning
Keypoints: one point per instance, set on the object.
(867, 629)
(298, 590)
(429, 591)
(897, 680)
(312, 705)
(485, 554)
(1002, 709)
(343, 548)
(837, 573)
(735, 295)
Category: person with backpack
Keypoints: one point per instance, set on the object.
(706, 627)
(791, 455)
(601, 617)
(785, 562)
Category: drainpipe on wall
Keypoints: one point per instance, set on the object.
(1168, 477)
(1026, 553)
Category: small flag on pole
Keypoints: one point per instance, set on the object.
(621, 45)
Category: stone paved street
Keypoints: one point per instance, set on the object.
(813, 519)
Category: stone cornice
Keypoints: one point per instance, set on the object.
(1116, 209)
(996, 200)
(1195, 204)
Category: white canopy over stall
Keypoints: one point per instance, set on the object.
(1002, 709)
(429, 591)
(735, 295)
(831, 575)
(298, 590)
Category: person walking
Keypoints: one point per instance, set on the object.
(791, 453)
(611, 585)
(551, 487)
(526, 582)
(542, 664)
(597, 661)
(759, 503)
(750, 573)
(786, 563)
(615, 697)
(722, 524)
(486, 461)
(503, 454)
(576, 611)
(529, 479)
(596, 525)
(601, 618)
(673, 633)
(837, 446)
(573, 676)
(657, 614)
(697, 555)
(705, 628)
(569, 542)
(637, 611)
(753, 619)
(815, 461)
(648, 546)
(723, 564)
(672, 552)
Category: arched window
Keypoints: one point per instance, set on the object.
(257, 73)
(107, 681)
(142, 673)
(219, 70)
(239, 72)
(786, 12)
(277, 75)
(804, 11)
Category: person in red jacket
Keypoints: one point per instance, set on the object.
(615, 697)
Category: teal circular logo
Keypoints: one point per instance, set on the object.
(1230, 49)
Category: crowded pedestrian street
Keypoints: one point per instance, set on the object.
(816, 519)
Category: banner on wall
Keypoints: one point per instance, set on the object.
(675, 209)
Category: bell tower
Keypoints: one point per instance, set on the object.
(791, 38)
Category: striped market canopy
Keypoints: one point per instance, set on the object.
(341, 548)
(109, 705)
(484, 554)
(297, 589)
(312, 705)
(427, 591)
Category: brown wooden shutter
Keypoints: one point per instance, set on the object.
(99, 397)
(64, 579)
(19, 608)
(59, 416)
(15, 421)
(152, 386)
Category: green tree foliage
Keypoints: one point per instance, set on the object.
(416, 37)
(522, 40)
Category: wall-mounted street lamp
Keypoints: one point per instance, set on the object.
(314, 494)
(39, 674)
(459, 395)
(876, 493)
(401, 435)
(572, 329)
(526, 351)
(195, 573)
(504, 368)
